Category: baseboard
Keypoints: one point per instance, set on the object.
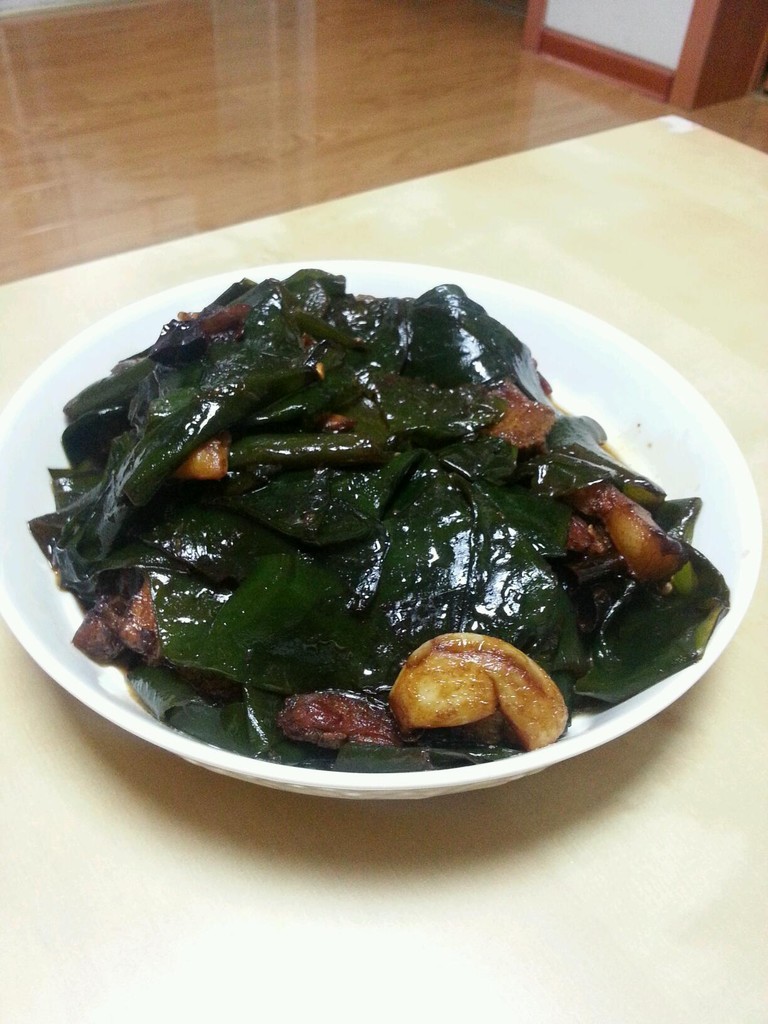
(642, 75)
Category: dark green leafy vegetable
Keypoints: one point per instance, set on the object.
(454, 342)
(363, 509)
(302, 450)
(647, 635)
(116, 390)
(575, 457)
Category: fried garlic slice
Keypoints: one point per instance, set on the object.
(460, 678)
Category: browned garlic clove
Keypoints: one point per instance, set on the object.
(459, 678)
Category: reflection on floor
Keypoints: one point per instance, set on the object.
(9, 7)
(124, 124)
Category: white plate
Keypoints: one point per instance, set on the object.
(653, 417)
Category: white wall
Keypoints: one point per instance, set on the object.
(653, 30)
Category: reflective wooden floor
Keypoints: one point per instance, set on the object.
(125, 124)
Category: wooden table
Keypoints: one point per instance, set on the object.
(627, 885)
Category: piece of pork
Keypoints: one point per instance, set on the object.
(650, 554)
(331, 718)
(120, 622)
(589, 539)
(525, 423)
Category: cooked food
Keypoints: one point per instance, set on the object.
(462, 678)
(357, 533)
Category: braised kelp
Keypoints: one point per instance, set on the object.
(294, 488)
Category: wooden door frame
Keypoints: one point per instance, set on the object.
(535, 13)
(709, 71)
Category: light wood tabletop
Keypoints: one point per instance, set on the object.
(627, 884)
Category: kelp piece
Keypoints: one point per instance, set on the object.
(454, 342)
(454, 565)
(284, 628)
(542, 522)
(649, 635)
(419, 413)
(315, 291)
(327, 505)
(89, 437)
(576, 457)
(298, 451)
(212, 541)
(482, 457)
(244, 726)
(302, 505)
(69, 485)
(334, 393)
(383, 327)
(112, 391)
(160, 450)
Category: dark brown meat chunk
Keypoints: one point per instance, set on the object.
(330, 718)
(188, 336)
(226, 324)
(118, 622)
(587, 538)
(525, 423)
(650, 554)
(96, 638)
